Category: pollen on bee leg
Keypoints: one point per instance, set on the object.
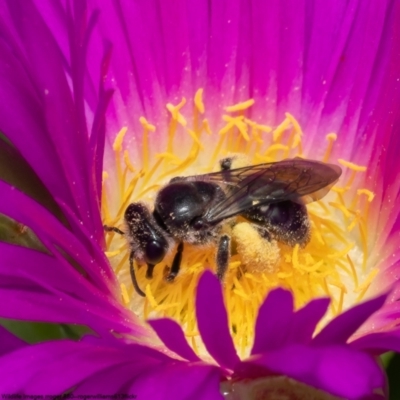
(257, 254)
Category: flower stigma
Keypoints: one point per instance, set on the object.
(333, 263)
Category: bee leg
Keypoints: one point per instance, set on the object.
(223, 254)
(112, 229)
(133, 276)
(226, 164)
(149, 272)
(176, 264)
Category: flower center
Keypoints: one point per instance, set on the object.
(333, 263)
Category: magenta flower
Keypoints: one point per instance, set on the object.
(95, 115)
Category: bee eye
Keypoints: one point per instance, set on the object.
(154, 252)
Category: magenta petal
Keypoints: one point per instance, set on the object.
(378, 343)
(305, 320)
(179, 381)
(64, 364)
(38, 287)
(62, 115)
(212, 321)
(342, 327)
(273, 321)
(9, 342)
(23, 209)
(173, 337)
(339, 370)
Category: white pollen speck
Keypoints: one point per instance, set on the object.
(46, 92)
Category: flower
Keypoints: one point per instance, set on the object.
(63, 103)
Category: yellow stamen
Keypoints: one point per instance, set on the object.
(104, 201)
(177, 117)
(124, 293)
(127, 161)
(110, 254)
(352, 166)
(122, 263)
(235, 122)
(198, 101)
(175, 112)
(150, 297)
(260, 127)
(117, 146)
(366, 284)
(280, 129)
(295, 124)
(324, 266)
(370, 195)
(206, 126)
(331, 138)
(147, 127)
(195, 138)
(240, 106)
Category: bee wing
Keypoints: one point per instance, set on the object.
(298, 180)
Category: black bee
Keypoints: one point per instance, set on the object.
(193, 210)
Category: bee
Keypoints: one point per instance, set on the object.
(194, 209)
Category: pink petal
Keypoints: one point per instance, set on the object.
(212, 321)
(173, 337)
(273, 321)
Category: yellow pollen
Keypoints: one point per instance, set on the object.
(332, 263)
(240, 106)
(257, 254)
